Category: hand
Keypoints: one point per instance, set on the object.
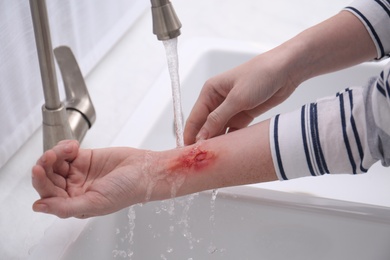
(84, 183)
(234, 98)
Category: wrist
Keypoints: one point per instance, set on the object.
(165, 172)
(287, 64)
(295, 60)
(154, 184)
(181, 171)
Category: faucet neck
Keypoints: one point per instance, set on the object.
(45, 54)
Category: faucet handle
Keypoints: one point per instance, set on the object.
(79, 106)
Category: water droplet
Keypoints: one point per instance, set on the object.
(212, 249)
(214, 194)
(171, 229)
(120, 253)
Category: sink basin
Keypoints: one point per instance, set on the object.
(242, 223)
(246, 222)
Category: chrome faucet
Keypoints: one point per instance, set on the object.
(60, 120)
(72, 119)
(166, 24)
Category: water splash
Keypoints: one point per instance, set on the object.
(127, 238)
(131, 217)
(212, 206)
(173, 67)
(183, 221)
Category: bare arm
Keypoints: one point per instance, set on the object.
(339, 42)
(84, 183)
(238, 158)
(234, 98)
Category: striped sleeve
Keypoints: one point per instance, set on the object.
(344, 133)
(375, 15)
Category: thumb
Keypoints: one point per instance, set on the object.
(78, 207)
(216, 122)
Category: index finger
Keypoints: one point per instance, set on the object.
(209, 99)
(44, 186)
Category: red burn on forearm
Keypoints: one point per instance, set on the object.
(195, 159)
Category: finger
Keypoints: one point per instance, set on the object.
(203, 109)
(217, 121)
(43, 185)
(191, 130)
(79, 207)
(196, 120)
(47, 161)
(66, 151)
(213, 93)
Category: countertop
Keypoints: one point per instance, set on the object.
(124, 75)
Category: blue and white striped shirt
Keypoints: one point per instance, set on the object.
(345, 133)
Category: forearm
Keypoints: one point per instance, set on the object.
(336, 43)
(237, 158)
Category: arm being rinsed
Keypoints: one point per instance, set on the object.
(238, 158)
(83, 183)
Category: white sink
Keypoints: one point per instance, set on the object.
(244, 223)
(247, 222)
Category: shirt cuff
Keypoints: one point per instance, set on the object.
(375, 15)
(328, 136)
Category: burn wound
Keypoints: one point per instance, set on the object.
(195, 159)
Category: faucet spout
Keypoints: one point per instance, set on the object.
(166, 24)
(60, 121)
